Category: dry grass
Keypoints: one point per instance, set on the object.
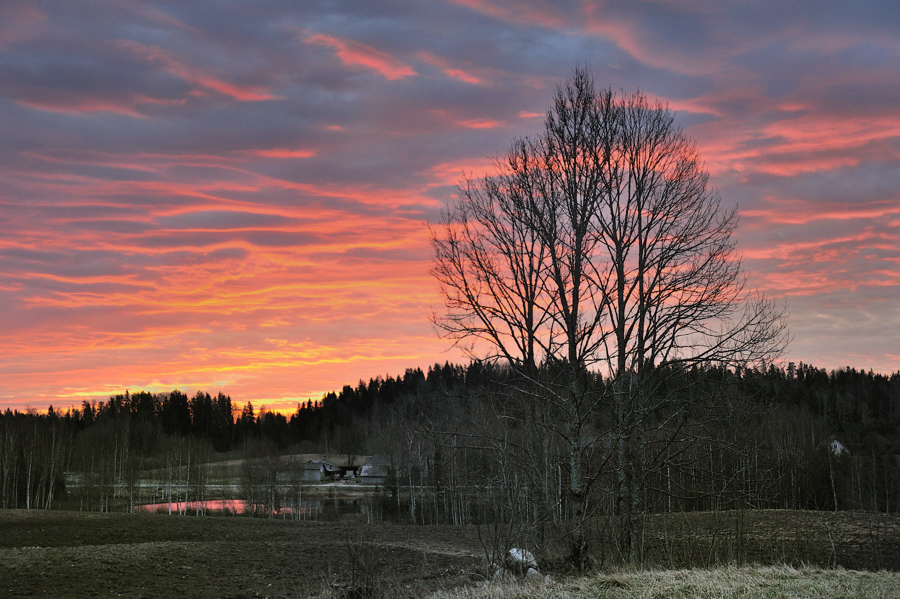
(752, 582)
(851, 540)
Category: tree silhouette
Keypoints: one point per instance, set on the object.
(596, 248)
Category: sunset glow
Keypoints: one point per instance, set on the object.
(236, 198)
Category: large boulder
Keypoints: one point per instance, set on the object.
(520, 560)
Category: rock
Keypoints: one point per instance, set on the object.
(534, 575)
(519, 560)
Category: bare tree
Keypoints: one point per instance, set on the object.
(597, 251)
(259, 478)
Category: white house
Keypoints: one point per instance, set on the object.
(837, 448)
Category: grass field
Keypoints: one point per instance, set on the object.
(75, 554)
(748, 582)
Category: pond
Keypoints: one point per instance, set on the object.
(306, 509)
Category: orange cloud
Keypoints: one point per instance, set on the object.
(480, 124)
(259, 326)
(286, 153)
(356, 54)
(286, 367)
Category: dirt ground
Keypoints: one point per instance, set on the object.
(79, 554)
(72, 554)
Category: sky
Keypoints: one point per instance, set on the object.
(235, 195)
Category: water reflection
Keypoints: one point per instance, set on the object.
(307, 509)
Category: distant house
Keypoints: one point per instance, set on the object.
(375, 471)
(837, 448)
(319, 470)
(349, 471)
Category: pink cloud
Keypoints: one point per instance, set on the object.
(794, 143)
(627, 34)
(452, 173)
(823, 250)
(156, 16)
(451, 70)
(202, 81)
(627, 30)
(19, 22)
(818, 132)
(84, 105)
(799, 212)
(355, 54)
(541, 13)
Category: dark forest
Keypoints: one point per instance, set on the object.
(794, 437)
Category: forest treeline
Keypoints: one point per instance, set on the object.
(464, 448)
